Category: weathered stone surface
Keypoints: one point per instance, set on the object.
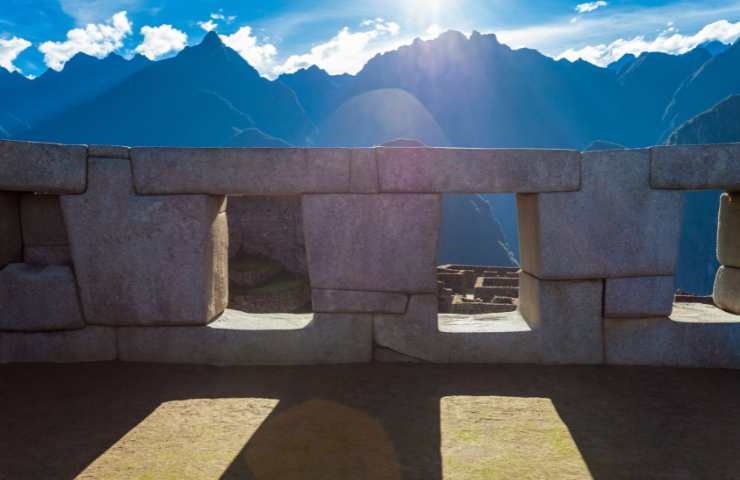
(444, 170)
(38, 298)
(42, 219)
(363, 174)
(90, 344)
(146, 260)
(386, 355)
(372, 242)
(637, 297)
(728, 230)
(11, 243)
(727, 289)
(349, 301)
(42, 167)
(241, 171)
(696, 335)
(567, 316)
(47, 255)
(696, 167)
(238, 338)
(108, 151)
(615, 226)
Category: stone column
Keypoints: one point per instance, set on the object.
(727, 282)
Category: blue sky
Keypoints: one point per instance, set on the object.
(340, 36)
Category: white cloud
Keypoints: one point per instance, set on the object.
(208, 26)
(590, 6)
(259, 55)
(160, 41)
(94, 11)
(668, 41)
(347, 51)
(9, 51)
(96, 39)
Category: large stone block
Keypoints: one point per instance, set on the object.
(615, 226)
(90, 344)
(108, 151)
(696, 167)
(728, 230)
(349, 301)
(372, 242)
(238, 338)
(241, 171)
(639, 297)
(696, 335)
(42, 219)
(38, 298)
(445, 170)
(146, 260)
(363, 174)
(727, 289)
(42, 167)
(11, 243)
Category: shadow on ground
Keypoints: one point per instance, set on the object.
(365, 422)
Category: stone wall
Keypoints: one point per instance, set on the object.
(117, 253)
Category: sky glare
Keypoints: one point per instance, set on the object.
(281, 36)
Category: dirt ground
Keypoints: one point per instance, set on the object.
(139, 421)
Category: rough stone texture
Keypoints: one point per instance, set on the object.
(364, 171)
(348, 301)
(372, 242)
(42, 219)
(386, 355)
(727, 289)
(146, 260)
(696, 167)
(431, 170)
(615, 226)
(38, 298)
(108, 151)
(238, 338)
(42, 167)
(11, 243)
(268, 226)
(728, 230)
(241, 171)
(90, 344)
(696, 335)
(637, 297)
(47, 255)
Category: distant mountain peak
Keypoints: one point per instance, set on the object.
(211, 40)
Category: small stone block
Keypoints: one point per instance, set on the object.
(348, 301)
(728, 230)
(696, 167)
(727, 289)
(108, 151)
(639, 297)
(42, 167)
(90, 344)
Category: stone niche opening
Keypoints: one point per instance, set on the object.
(267, 255)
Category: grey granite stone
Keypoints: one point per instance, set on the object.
(47, 255)
(696, 167)
(615, 226)
(238, 338)
(42, 219)
(728, 230)
(11, 243)
(727, 289)
(108, 151)
(696, 335)
(240, 171)
(42, 167)
(372, 242)
(90, 344)
(38, 298)
(636, 297)
(364, 171)
(146, 260)
(445, 170)
(350, 301)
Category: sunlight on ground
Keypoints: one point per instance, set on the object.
(491, 437)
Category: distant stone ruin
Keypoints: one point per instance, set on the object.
(314, 256)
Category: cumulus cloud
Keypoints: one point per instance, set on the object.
(590, 6)
(208, 26)
(9, 51)
(96, 39)
(347, 51)
(160, 41)
(260, 55)
(668, 41)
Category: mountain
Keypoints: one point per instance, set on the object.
(714, 47)
(11, 80)
(306, 82)
(206, 95)
(625, 61)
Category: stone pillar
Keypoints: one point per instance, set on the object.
(727, 282)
